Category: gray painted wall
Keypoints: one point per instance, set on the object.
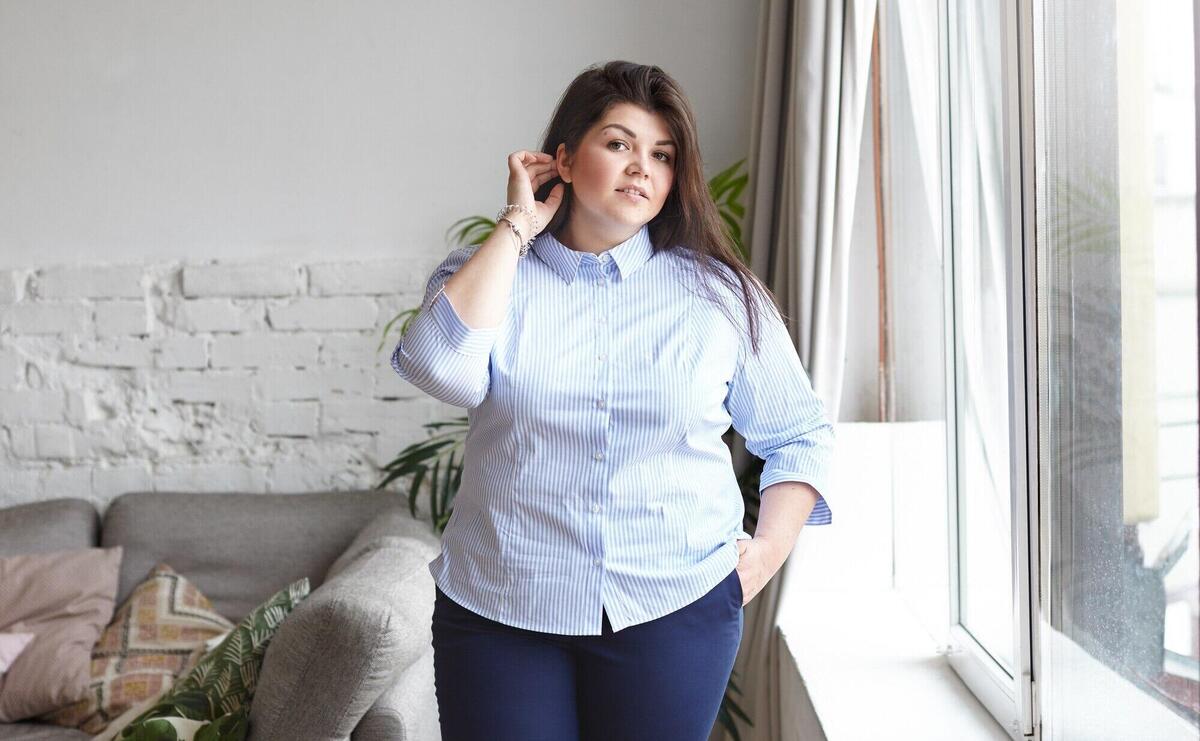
(131, 130)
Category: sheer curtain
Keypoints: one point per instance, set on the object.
(810, 97)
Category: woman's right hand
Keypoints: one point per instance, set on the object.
(528, 171)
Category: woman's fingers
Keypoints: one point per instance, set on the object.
(541, 167)
(532, 168)
(549, 167)
(542, 179)
(553, 199)
(541, 173)
(525, 156)
(528, 171)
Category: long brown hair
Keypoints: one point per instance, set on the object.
(689, 218)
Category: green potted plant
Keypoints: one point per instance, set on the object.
(437, 463)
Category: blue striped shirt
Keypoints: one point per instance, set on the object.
(594, 471)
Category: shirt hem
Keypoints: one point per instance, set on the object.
(452, 592)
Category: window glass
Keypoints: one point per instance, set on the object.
(1118, 338)
(980, 330)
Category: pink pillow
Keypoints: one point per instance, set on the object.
(11, 646)
(64, 598)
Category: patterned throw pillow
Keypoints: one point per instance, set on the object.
(156, 636)
(223, 683)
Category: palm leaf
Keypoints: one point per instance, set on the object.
(404, 317)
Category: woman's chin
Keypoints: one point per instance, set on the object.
(633, 215)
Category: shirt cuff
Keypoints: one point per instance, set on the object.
(821, 514)
(461, 338)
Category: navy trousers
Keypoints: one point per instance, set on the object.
(661, 680)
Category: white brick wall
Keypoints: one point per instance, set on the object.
(258, 377)
(120, 318)
(264, 350)
(220, 315)
(367, 277)
(323, 313)
(96, 281)
(245, 280)
(8, 286)
(45, 317)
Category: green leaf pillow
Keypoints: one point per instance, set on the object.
(220, 687)
(231, 727)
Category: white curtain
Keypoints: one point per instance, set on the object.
(811, 91)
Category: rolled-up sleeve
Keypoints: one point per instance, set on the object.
(439, 353)
(773, 406)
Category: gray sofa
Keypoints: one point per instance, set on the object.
(353, 660)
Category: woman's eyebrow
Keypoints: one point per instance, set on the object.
(633, 135)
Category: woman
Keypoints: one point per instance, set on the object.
(603, 338)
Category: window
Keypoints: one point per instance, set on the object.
(1035, 169)
(989, 605)
(1116, 245)
(1072, 405)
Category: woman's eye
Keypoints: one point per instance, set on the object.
(666, 157)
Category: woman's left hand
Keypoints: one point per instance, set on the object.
(758, 560)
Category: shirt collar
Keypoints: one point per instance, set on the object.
(628, 255)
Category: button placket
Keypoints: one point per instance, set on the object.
(600, 306)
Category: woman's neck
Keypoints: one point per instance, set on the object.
(582, 239)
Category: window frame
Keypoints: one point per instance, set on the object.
(1011, 699)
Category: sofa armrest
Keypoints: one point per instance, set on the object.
(345, 644)
(406, 711)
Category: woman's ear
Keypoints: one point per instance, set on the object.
(563, 163)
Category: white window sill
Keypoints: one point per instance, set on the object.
(870, 670)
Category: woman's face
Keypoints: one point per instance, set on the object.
(628, 147)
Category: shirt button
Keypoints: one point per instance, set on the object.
(595, 508)
(599, 281)
(596, 561)
(598, 456)
(599, 403)
(601, 357)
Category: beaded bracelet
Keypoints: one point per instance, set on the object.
(500, 216)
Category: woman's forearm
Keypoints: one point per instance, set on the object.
(784, 508)
(481, 289)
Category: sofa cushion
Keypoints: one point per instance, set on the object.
(11, 646)
(237, 548)
(156, 636)
(39, 732)
(65, 599)
(52, 525)
(351, 640)
(225, 680)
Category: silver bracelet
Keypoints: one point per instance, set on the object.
(533, 223)
(522, 245)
